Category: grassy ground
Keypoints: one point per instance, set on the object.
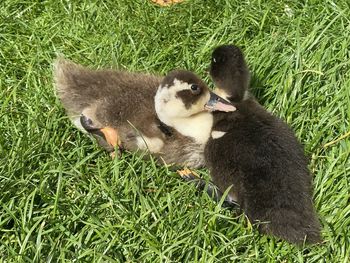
(63, 199)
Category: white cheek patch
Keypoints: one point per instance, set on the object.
(167, 104)
(162, 96)
(217, 134)
(165, 93)
(180, 85)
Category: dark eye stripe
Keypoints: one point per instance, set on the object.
(188, 97)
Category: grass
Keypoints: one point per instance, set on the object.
(63, 199)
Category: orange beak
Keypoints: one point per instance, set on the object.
(111, 136)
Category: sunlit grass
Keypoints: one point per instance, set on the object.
(63, 199)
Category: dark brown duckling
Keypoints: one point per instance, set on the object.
(259, 157)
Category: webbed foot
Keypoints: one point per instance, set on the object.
(188, 175)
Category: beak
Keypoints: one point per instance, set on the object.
(217, 103)
(107, 137)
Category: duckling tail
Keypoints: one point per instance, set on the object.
(62, 69)
(295, 227)
(69, 90)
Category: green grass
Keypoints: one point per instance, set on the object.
(63, 199)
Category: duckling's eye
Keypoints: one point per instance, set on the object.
(195, 89)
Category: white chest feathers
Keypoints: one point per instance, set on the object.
(191, 122)
(217, 134)
(198, 126)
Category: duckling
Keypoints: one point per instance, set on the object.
(258, 156)
(107, 99)
(179, 105)
(119, 109)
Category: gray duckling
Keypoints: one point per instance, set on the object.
(119, 109)
(258, 157)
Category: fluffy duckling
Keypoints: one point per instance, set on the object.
(99, 101)
(119, 108)
(179, 105)
(259, 157)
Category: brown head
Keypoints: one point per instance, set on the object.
(230, 73)
(181, 95)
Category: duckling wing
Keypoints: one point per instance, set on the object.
(119, 95)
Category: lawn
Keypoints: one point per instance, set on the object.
(62, 198)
